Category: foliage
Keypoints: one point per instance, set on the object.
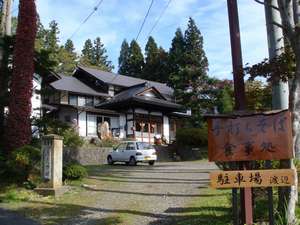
(258, 95)
(24, 161)
(194, 137)
(48, 125)
(124, 58)
(136, 60)
(71, 138)
(74, 172)
(189, 77)
(67, 58)
(156, 60)
(281, 67)
(95, 55)
(225, 100)
(18, 131)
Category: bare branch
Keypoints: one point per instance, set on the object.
(265, 3)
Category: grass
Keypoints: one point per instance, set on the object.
(50, 210)
(211, 208)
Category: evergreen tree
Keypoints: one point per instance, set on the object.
(136, 60)
(95, 55)
(150, 70)
(163, 66)
(100, 57)
(87, 58)
(189, 70)
(176, 57)
(124, 58)
(69, 47)
(52, 42)
(67, 58)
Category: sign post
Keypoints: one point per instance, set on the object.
(249, 137)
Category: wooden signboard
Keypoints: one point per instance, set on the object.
(252, 178)
(264, 136)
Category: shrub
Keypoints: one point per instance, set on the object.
(71, 138)
(24, 161)
(74, 172)
(194, 137)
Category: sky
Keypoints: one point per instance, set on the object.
(116, 20)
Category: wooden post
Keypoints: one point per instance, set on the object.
(240, 99)
(149, 127)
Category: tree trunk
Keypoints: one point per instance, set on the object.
(18, 132)
(289, 196)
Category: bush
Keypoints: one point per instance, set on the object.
(24, 161)
(74, 172)
(71, 138)
(195, 137)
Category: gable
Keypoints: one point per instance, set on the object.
(151, 93)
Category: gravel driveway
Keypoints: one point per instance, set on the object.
(142, 194)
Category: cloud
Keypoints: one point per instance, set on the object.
(116, 20)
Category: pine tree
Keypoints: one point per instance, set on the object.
(87, 58)
(67, 58)
(69, 47)
(163, 67)
(95, 55)
(176, 57)
(100, 57)
(136, 60)
(189, 76)
(124, 58)
(150, 70)
(18, 131)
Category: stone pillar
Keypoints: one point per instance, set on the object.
(51, 165)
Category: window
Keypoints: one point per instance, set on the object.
(72, 100)
(130, 146)
(122, 146)
(143, 146)
(91, 125)
(81, 101)
(89, 101)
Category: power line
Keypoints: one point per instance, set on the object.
(160, 16)
(144, 20)
(87, 18)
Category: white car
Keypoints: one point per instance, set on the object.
(132, 152)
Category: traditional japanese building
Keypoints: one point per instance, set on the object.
(134, 108)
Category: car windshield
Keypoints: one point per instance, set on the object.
(143, 146)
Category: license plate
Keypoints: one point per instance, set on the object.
(147, 157)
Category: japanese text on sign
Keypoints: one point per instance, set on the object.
(252, 178)
(255, 137)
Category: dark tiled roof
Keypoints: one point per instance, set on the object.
(126, 81)
(71, 84)
(131, 95)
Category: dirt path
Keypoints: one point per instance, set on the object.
(142, 194)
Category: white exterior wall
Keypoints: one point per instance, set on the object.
(166, 128)
(82, 124)
(36, 102)
(122, 123)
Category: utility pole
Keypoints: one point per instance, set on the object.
(240, 104)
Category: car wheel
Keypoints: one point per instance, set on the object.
(110, 160)
(132, 161)
(151, 163)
